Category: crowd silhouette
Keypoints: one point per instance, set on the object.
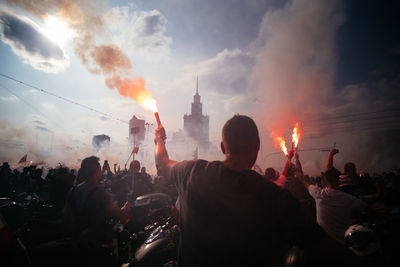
(358, 212)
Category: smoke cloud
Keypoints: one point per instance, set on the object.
(28, 42)
(293, 79)
(85, 17)
(100, 141)
(295, 62)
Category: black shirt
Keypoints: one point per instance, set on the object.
(234, 218)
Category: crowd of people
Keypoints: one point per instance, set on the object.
(233, 216)
(229, 214)
(53, 187)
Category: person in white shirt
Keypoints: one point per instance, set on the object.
(335, 208)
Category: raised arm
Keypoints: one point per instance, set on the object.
(281, 180)
(299, 169)
(163, 163)
(290, 156)
(299, 172)
(329, 163)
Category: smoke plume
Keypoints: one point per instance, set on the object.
(295, 62)
(293, 79)
(85, 17)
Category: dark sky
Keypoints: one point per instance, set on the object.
(368, 42)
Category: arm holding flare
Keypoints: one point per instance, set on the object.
(163, 163)
(282, 179)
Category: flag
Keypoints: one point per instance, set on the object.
(23, 159)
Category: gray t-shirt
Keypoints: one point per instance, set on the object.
(334, 210)
(235, 218)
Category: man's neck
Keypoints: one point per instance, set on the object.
(237, 162)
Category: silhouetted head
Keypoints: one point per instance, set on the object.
(90, 168)
(270, 173)
(240, 138)
(134, 166)
(349, 168)
(331, 178)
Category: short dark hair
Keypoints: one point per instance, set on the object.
(134, 166)
(88, 167)
(270, 173)
(240, 134)
(332, 178)
(349, 168)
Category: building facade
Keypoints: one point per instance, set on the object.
(196, 125)
(137, 129)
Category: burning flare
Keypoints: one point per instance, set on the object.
(296, 135)
(282, 144)
(150, 104)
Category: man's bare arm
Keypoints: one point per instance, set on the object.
(124, 213)
(299, 172)
(285, 169)
(329, 163)
(163, 163)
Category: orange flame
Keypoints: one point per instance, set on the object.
(149, 104)
(296, 135)
(282, 144)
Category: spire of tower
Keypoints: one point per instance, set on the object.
(197, 85)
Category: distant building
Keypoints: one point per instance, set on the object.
(196, 125)
(137, 128)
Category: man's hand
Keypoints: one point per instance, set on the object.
(160, 133)
(329, 163)
(290, 155)
(334, 151)
(296, 156)
(127, 208)
(163, 163)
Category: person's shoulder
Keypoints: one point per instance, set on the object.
(316, 191)
(264, 184)
(187, 165)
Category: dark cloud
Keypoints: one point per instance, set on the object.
(225, 74)
(139, 31)
(43, 129)
(149, 31)
(27, 41)
(100, 141)
(104, 118)
(39, 122)
(153, 23)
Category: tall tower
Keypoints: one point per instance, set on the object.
(197, 107)
(196, 125)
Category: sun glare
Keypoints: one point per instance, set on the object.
(57, 30)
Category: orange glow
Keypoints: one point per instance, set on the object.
(282, 144)
(30, 162)
(296, 135)
(149, 104)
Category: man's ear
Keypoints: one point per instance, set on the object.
(222, 148)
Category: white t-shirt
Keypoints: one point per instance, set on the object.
(334, 210)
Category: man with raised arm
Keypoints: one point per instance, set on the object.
(349, 180)
(229, 214)
(335, 208)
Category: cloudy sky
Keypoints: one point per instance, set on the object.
(332, 66)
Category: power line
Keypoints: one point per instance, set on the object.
(28, 104)
(63, 98)
(354, 115)
(395, 117)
